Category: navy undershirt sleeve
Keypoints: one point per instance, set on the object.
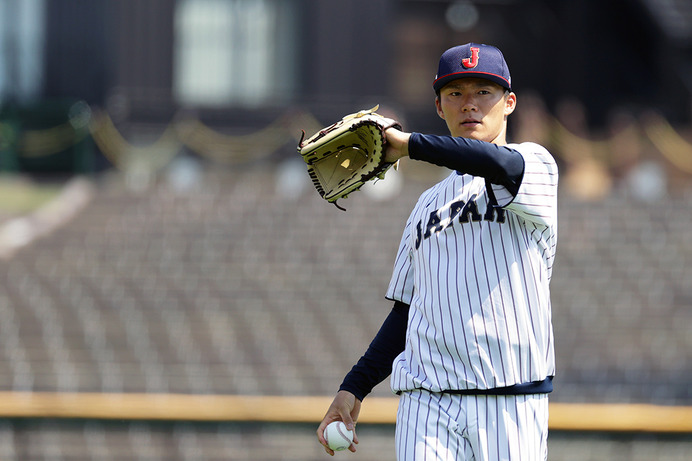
(376, 364)
(498, 164)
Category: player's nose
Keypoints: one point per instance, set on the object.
(468, 103)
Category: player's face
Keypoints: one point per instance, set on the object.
(476, 108)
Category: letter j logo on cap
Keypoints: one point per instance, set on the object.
(473, 62)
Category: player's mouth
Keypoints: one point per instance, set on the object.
(470, 123)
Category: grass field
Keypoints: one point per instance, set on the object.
(20, 195)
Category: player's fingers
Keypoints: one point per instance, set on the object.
(349, 411)
(320, 431)
(351, 426)
(320, 437)
(348, 421)
(352, 447)
(329, 418)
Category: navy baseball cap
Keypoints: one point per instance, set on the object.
(472, 60)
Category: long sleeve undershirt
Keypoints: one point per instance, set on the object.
(376, 364)
(498, 164)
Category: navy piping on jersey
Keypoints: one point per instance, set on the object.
(536, 387)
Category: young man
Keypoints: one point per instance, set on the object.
(469, 341)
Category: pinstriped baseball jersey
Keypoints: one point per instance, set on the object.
(477, 279)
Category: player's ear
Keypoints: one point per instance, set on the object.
(510, 103)
(438, 106)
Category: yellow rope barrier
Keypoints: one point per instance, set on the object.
(124, 154)
(669, 143)
(575, 147)
(40, 143)
(223, 148)
(233, 149)
(33, 143)
(200, 139)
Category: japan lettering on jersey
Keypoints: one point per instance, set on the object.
(475, 265)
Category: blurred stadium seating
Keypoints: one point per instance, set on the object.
(228, 287)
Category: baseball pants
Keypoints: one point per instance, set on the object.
(452, 427)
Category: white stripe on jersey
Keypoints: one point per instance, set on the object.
(477, 279)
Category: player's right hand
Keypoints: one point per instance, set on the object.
(345, 407)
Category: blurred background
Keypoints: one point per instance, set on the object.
(159, 234)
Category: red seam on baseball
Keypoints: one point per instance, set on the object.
(338, 429)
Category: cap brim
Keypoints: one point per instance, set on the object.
(445, 79)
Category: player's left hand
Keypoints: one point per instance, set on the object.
(345, 407)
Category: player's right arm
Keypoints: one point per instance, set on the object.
(372, 368)
(376, 364)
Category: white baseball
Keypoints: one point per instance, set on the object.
(337, 436)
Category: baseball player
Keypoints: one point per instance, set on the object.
(469, 340)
